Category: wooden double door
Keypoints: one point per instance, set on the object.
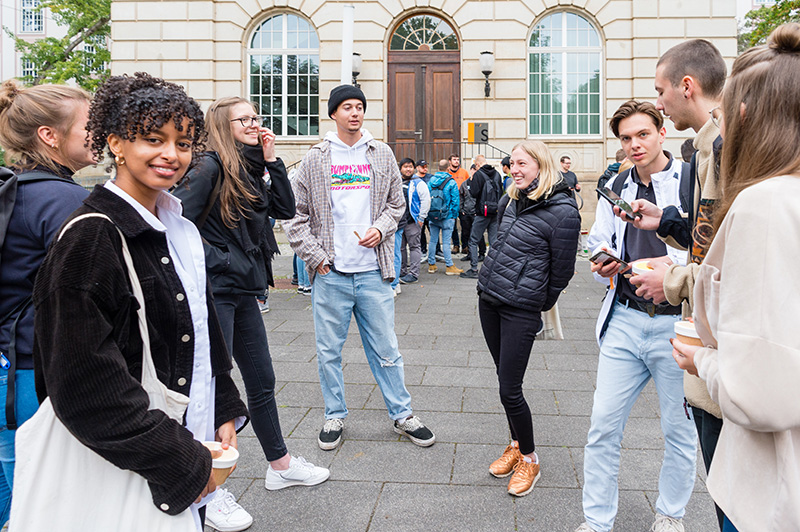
(424, 111)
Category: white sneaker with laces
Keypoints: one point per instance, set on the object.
(223, 513)
(299, 473)
(584, 528)
(665, 523)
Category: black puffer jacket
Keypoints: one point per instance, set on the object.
(534, 256)
(239, 260)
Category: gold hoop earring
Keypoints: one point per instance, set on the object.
(119, 160)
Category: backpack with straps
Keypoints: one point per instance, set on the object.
(439, 209)
(490, 196)
(9, 183)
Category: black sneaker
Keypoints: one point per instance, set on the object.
(331, 434)
(465, 258)
(408, 279)
(481, 257)
(439, 257)
(415, 431)
(469, 274)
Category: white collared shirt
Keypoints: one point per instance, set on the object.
(188, 257)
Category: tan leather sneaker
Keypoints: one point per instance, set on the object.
(453, 270)
(524, 478)
(432, 268)
(503, 466)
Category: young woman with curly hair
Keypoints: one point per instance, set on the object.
(231, 179)
(43, 130)
(88, 349)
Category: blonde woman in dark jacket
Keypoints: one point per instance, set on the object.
(524, 272)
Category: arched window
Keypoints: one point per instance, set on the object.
(565, 57)
(284, 75)
(424, 32)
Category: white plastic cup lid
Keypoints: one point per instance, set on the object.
(686, 328)
(229, 456)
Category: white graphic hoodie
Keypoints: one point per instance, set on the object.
(351, 177)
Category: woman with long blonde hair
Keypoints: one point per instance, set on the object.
(230, 194)
(522, 276)
(746, 293)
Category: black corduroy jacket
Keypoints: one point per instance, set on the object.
(534, 256)
(88, 350)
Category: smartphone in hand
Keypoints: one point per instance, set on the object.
(604, 257)
(614, 199)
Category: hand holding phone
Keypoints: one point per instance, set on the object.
(604, 258)
(614, 199)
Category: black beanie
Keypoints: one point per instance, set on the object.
(342, 93)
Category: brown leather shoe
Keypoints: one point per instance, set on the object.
(524, 478)
(503, 466)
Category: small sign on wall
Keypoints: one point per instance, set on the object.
(478, 132)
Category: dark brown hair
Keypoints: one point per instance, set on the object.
(699, 59)
(760, 108)
(632, 107)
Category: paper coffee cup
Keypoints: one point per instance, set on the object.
(641, 267)
(685, 332)
(222, 466)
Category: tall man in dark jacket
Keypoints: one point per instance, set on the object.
(486, 188)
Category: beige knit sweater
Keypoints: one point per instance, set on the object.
(747, 303)
(679, 280)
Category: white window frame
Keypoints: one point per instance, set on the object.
(564, 50)
(27, 68)
(284, 51)
(28, 10)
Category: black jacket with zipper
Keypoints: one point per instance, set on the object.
(239, 259)
(534, 256)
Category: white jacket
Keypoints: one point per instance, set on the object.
(610, 228)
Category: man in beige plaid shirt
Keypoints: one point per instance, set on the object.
(349, 199)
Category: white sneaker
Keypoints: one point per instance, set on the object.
(398, 290)
(584, 528)
(223, 513)
(300, 473)
(665, 523)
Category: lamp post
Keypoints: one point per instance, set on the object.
(356, 68)
(487, 66)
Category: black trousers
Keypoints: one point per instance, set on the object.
(466, 231)
(509, 333)
(708, 429)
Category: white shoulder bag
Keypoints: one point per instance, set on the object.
(62, 485)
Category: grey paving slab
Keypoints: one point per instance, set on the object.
(362, 374)
(473, 508)
(435, 357)
(359, 425)
(474, 377)
(424, 398)
(394, 461)
(332, 506)
(487, 400)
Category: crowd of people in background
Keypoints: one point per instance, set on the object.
(122, 311)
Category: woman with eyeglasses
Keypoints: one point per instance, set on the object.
(228, 196)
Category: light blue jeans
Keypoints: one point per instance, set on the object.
(398, 256)
(26, 405)
(302, 273)
(335, 298)
(446, 227)
(636, 348)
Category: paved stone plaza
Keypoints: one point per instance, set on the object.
(381, 482)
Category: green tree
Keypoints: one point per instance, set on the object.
(760, 22)
(59, 60)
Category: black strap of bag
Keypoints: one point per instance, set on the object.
(11, 415)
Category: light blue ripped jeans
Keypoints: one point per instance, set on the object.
(336, 297)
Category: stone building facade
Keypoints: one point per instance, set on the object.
(561, 67)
